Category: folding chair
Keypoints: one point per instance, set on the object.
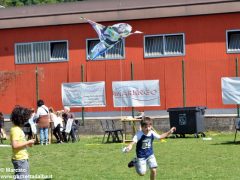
(1, 137)
(108, 131)
(76, 125)
(34, 131)
(68, 128)
(27, 131)
(237, 127)
(115, 130)
(72, 125)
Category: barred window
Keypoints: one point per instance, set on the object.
(164, 45)
(233, 41)
(41, 52)
(116, 52)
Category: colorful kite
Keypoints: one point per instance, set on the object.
(108, 36)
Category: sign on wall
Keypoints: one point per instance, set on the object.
(84, 94)
(231, 90)
(136, 93)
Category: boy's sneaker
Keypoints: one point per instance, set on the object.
(132, 163)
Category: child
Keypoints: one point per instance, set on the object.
(19, 116)
(144, 150)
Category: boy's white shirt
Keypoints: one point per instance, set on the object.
(139, 134)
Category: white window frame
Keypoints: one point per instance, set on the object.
(94, 39)
(227, 49)
(50, 60)
(164, 36)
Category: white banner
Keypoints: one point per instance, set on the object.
(231, 90)
(136, 93)
(84, 94)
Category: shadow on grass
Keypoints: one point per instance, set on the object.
(228, 143)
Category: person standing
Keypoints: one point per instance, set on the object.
(19, 116)
(43, 121)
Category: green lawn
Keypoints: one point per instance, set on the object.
(180, 158)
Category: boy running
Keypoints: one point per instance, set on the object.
(144, 150)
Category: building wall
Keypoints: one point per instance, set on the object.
(206, 61)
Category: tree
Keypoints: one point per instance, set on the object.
(6, 78)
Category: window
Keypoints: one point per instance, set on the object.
(233, 41)
(41, 52)
(116, 52)
(164, 45)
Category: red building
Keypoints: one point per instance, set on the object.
(204, 33)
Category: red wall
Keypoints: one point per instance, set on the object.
(206, 61)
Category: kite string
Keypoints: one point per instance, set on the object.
(121, 79)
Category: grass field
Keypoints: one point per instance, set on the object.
(178, 158)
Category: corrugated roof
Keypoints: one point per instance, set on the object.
(110, 10)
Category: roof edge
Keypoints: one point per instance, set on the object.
(120, 14)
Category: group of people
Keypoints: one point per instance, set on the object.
(143, 140)
(22, 115)
(63, 123)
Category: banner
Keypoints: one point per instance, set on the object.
(231, 90)
(84, 94)
(136, 93)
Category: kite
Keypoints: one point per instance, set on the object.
(108, 36)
